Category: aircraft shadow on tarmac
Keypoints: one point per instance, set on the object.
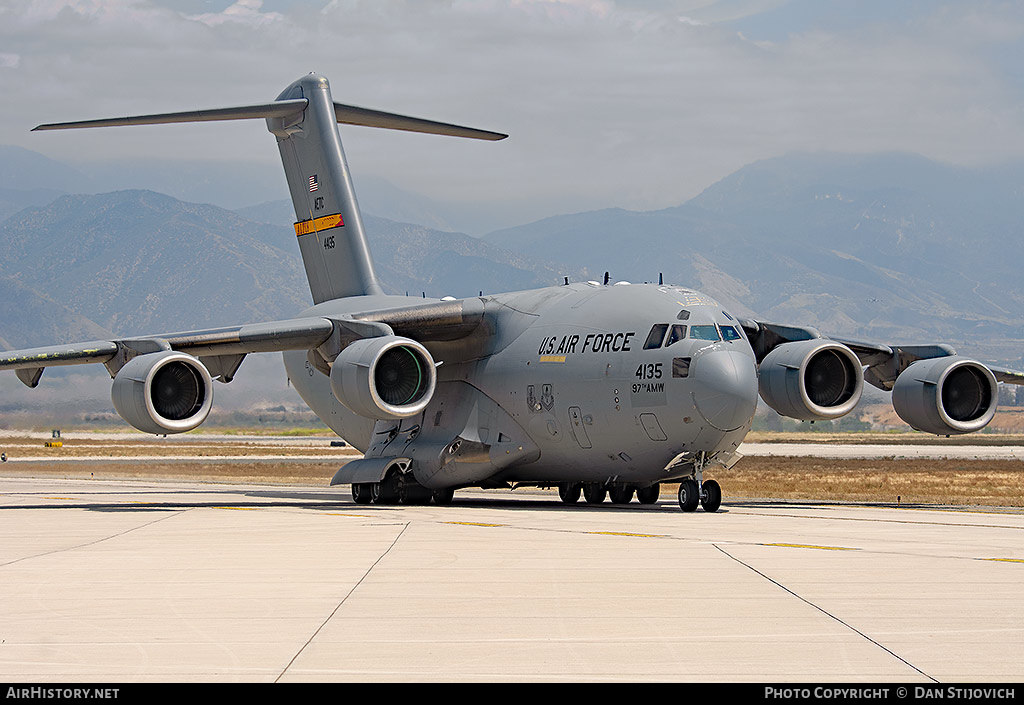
(317, 500)
(289, 498)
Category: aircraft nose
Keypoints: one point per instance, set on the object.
(724, 388)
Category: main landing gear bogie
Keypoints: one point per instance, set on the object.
(396, 489)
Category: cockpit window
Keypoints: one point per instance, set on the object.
(677, 334)
(730, 333)
(681, 366)
(656, 335)
(704, 332)
(684, 315)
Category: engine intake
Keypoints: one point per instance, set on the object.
(811, 379)
(163, 392)
(946, 395)
(384, 378)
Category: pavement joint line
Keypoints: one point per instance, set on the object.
(89, 543)
(338, 607)
(825, 612)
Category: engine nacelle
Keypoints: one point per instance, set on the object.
(389, 377)
(946, 395)
(811, 379)
(163, 392)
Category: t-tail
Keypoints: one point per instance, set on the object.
(328, 224)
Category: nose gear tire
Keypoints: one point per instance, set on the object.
(689, 496)
(710, 496)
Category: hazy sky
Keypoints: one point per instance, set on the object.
(608, 102)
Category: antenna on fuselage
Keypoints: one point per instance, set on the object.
(607, 276)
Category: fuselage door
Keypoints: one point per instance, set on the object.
(652, 427)
(579, 430)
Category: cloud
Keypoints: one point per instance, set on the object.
(617, 103)
(245, 12)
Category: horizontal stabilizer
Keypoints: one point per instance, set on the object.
(354, 115)
(345, 114)
(277, 109)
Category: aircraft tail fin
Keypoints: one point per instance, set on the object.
(328, 225)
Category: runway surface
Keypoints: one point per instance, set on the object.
(168, 581)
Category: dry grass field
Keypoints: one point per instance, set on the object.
(888, 480)
(312, 461)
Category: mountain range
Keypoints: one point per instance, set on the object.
(888, 247)
(891, 247)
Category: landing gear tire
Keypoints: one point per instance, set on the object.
(621, 495)
(386, 491)
(649, 495)
(445, 496)
(569, 492)
(412, 492)
(710, 496)
(362, 492)
(689, 496)
(594, 493)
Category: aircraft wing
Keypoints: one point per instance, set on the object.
(162, 383)
(883, 363)
(299, 333)
(222, 349)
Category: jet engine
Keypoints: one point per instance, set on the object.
(389, 377)
(946, 395)
(811, 379)
(163, 392)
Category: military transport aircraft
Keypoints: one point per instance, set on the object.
(596, 388)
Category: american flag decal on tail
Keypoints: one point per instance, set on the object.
(314, 183)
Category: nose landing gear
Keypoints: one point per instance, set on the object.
(708, 495)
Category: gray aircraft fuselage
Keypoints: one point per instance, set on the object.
(591, 387)
(573, 388)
